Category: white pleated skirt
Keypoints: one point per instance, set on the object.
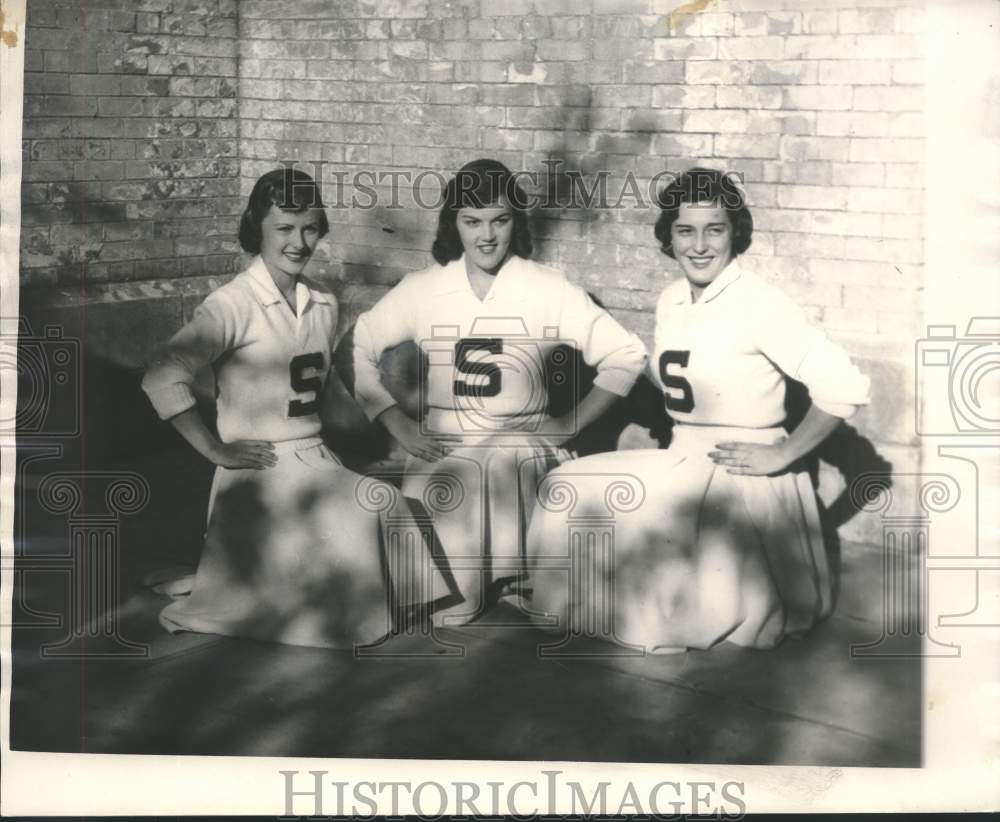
(290, 556)
(674, 552)
(478, 502)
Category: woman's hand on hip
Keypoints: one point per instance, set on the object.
(752, 459)
(256, 454)
(421, 444)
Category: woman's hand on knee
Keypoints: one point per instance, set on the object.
(256, 454)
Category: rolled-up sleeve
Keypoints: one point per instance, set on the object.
(618, 355)
(388, 323)
(806, 354)
(168, 380)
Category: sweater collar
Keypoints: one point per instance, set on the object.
(267, 292)
(729, 275)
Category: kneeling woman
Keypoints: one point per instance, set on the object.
(289, 555)
(722, 538)
(487, 319)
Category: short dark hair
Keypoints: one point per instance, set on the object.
(290, 189)
(704, 185)
(480, 184)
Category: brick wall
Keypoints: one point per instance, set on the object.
(819, 104)
(130, 156)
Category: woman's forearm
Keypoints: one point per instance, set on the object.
(587, 411)
(594, 405)
(815, 427)
(190, 425)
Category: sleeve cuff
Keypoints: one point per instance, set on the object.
(171, 400)
(838, 409)
(615, 380)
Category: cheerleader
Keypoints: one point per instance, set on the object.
(488, 320)
(290, 555)
(723, 541)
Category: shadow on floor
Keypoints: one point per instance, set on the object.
(807, 702)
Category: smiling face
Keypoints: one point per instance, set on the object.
(485, 234)
(702, 242)
(288, 239)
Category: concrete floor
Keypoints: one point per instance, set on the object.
(807, 702)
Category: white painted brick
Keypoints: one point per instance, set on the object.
(647, 120)
(854, 72)
(763, 145)
(890, 200)
(717, 72)
(712, 121)
(882, 297)
(686, 97)
(890, 98)
(762, 244)
(777, 219)
(813, 245)
(857, 320)
(526, 73)
(852, 124)
(654, 73)
(835, 47)
(753, 24)
(844, 223)
(806, 293)
(801, 173)
(782, 122)
(849, 272)
(755, 97)
(819, 98)
(750, 24)
(899, 150)
(858, 174)
(814, 148)
(621, 6)
(821, 197)
(751, 48)
(684, 48)
(819, 22)
(759, 196)
(867, 21)
(682, 145)
(716, 25)
(885, 250)
(784, 72)
(614, 96)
